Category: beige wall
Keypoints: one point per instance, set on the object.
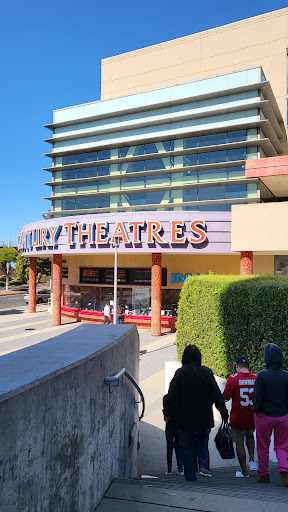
(177, 263)
(260, 227)
(261, 40)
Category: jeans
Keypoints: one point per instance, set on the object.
(119, 319)
(194, 446)
(264, 427)
(172, 440)
(106, 320)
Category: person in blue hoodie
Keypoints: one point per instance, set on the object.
(270, 401)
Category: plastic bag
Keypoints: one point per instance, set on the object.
(223, 441)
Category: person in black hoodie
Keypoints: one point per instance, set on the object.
(270, 401)
(172, 437)
(192, 391)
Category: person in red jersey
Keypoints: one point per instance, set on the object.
(239, 387)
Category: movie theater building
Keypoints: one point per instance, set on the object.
(182, 160)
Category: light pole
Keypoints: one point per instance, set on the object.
(116, 246)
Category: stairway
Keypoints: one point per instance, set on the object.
(221, 493)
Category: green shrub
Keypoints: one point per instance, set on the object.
(2, 284)
(227, 316)
(15, 282)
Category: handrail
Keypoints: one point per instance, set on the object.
(114, 380)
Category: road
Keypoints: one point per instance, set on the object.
(12, 301)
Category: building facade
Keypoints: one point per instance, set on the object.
(186, 132)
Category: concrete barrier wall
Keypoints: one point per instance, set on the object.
(63, 435)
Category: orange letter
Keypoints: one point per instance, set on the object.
(83, 231)
(54, 233)
(70, 231)
(101, 230)
(136, 230)
(153, 229)
(199, 231)
(177, 229)
(120, 230)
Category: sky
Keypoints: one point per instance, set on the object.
(50, 57)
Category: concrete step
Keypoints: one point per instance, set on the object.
(221, 493)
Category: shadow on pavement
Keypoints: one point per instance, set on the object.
(6, 312)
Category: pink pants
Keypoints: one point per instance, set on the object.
(264, 428)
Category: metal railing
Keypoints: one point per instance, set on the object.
(113, 380)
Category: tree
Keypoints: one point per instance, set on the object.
(22, 268)
(7, 255)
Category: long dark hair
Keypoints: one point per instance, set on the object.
(192, 356)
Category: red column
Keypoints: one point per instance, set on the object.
(56, 289)
(32, 285)
(246, 263)
(156, 285)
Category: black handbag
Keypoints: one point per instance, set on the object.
(223, 441)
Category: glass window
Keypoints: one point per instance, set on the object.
(69, 159)
(150, 148)
(236, 172)
(134, 182)
(238, 136)
(104, 185)
(104, 155)
(212, 157)
(87, 187)
(103, 202)
(122, 152)
(103, 170)
(68, 204)
(87, 172)
(190, 160)
(87, 157)
(237, 154)
(189, 194)
(85, 203)
(234, 191)
(190, 143)
(135, 199)
(68, 189)
(154, 197)
(70, 174)
(156, 163)
(158, 179)
(212, 175)
(209, 193)
(211, 140)
(133, 166)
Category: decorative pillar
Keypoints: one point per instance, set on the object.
(56, 289)
(246, 263)
(156, 295)
(32, 285)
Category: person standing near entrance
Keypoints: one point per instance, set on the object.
(239, 387)
(106, 314)
(270, 401)
(192, 392)
(119, 313)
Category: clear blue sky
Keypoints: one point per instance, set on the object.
(50, 58)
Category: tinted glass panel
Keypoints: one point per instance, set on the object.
(154, 164)
(237, 136)
(236, 191)
(151, 148)
(211, 140)
(212, 157)
(103, 170)
(87, 172)
(208, 193)
(103, 202)
(87, 157)
(154, 197)
(70, 174)
(237, 154)
(190, 194)
(104, 155)
(86, 202)
(104, 185)
(68, 204)
(70, 159)
(122, 152)
(190, 143)
(189, 160)
(91, 186)
(134, 199)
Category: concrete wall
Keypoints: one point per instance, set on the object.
(64, 436)
(261, 40)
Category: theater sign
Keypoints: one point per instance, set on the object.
(142, 232)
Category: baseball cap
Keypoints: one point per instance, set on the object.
(242, 359)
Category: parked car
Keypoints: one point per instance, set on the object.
(41, 296)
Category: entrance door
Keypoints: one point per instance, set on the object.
(141, 301)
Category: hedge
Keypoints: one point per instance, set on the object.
(227, 316)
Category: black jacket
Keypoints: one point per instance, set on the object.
(270, 395)
(192, 391)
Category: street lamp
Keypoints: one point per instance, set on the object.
(116, 246)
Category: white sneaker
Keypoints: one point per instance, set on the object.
(168, 473)
(204, 472)
(253, 465)
(239, 474)
(181, 472)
